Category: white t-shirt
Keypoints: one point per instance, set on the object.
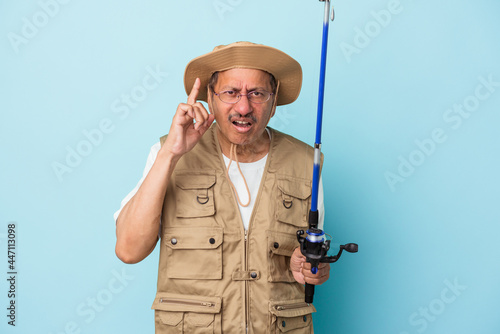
(253, 172)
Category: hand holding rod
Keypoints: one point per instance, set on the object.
(315, 248)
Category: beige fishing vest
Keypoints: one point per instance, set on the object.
(214, 277)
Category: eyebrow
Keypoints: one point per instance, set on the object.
(229, 87)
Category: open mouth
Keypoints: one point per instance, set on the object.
(243, 124)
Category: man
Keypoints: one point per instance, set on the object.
(227, 198)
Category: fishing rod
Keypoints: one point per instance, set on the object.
(314, 246)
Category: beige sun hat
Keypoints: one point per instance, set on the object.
(285, 69)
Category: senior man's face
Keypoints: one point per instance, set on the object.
(244, 122)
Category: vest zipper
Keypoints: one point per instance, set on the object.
(290, 307)
(247, 306)
(187, 302)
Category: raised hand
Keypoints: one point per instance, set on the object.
(190, 122)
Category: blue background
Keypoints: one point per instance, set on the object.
(406, 177)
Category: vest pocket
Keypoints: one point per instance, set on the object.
(194, 253)
(292, 316)
(195, 195)
(176, 313)
(293, 200)
(280, 248)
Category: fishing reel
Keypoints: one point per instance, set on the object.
(315, 248)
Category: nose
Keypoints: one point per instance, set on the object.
(243, 106)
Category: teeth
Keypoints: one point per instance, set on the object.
(241, 122)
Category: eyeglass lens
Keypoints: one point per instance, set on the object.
(257, 96)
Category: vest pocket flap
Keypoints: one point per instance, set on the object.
(293, 198)
(188, 238)
(295, 187)
(171, 318)
(292, 314)
(194, 194)
(195, 181)
(178, 303)
(291, 308)
(281, 243)
(289, 324)
(193, 253)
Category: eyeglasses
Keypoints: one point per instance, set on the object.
(255, 96)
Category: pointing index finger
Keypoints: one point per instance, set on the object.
(194, 92)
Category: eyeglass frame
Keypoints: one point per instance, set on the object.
(240, 95)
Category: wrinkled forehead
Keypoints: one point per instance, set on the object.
(242, 77)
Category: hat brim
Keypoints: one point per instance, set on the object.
(284, 68)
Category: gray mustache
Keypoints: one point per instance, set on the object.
(238, 117)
